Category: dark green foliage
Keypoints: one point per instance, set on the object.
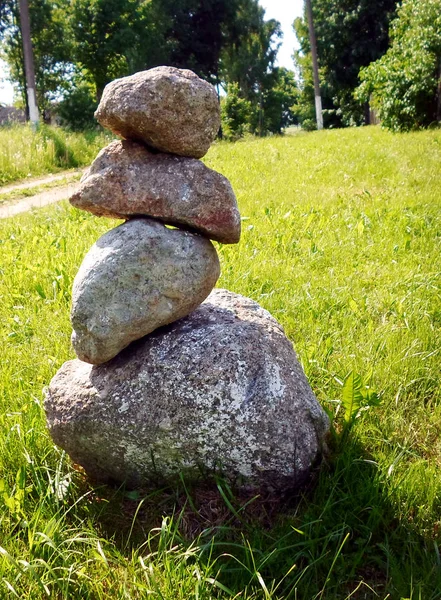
(51, 45)
(279, 101)
(269, 112)
(196, 31)
(77, 108)
(103, 31)
(406, 82)
(85, 44)
(235, 112)
(268, 93)
(350, 35)
(249, 61)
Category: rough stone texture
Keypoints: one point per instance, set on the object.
(126, 180)
(218, 390)
(170, 109)
(137, 277)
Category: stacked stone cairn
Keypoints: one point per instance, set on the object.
(170, 378)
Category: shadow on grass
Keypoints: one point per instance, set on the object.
(64, 156)
(340, 538)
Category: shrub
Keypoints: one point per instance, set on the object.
(77, 108)
(405, 82)
(235, 113)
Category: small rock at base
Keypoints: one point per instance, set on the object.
(218, 391)
(126, 180)
(169, 109)
(135, 278)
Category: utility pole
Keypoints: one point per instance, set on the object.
(28, 62)
(313, 43)
(438, 99)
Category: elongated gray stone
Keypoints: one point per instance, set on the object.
(126, 180)
(137, 277)
(218, 391)
(169, 109)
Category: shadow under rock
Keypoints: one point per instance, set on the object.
(341, 532)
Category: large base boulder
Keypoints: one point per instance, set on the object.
(221, 390)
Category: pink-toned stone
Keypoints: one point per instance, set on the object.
(127, 180)
(169, 109)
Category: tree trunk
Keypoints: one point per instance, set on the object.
(28, 62)
(367, 113)
(438, 95)
(261, 113)
(315, 70)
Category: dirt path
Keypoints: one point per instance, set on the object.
(36, 181)
(49, 196)
(39, 200)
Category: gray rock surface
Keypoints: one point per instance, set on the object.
(218, 390)
(170, 109)
(126, 180)
(137, 277)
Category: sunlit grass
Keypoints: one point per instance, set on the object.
(342, 243)
(24, 153)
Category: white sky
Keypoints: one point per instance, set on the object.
(6, 91)
(284, 11)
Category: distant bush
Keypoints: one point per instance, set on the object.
(269, 111)
(77, 108)
(235, 113)
(405, 82)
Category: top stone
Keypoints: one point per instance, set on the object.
(169, 109)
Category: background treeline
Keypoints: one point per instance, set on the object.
(391, 48)
(81, 45)
(380, 54)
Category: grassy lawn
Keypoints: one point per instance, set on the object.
(342, 243)
(26, 154)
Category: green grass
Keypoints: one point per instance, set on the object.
(24, 153)
(341, 242)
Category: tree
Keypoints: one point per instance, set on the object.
(195, 32)
(105, 33)
(350, 35)
(81, 45)
(240, 116)
(77, 107)
(305, 106)
(51, 46)
(406, 81)
(118, 37)
(235, 112)
(248, 61)
(280, 100)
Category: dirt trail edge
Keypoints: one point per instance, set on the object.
(40, 180)
(39, 200)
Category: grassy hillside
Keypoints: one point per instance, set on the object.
(341, 242)
(24, 153)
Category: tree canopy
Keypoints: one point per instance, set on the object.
(350, 35)
(51, 45)
(406, 82)
(81, 45)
